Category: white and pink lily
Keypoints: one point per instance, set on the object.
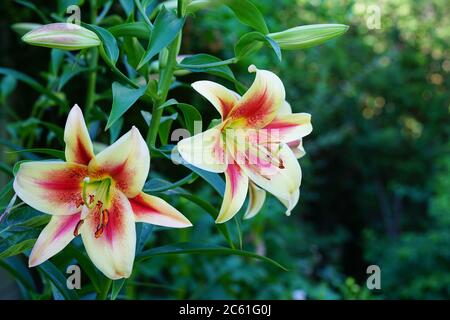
(256, 145)
(96, 196)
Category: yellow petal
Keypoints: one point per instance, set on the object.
(204, 150)
(256, 199)
(76, 136)
(54, 237)
(154, 210)
(127, 162)
(112, 252)
(235, 192)
(261, 103)
(221, 98)
(53, 187)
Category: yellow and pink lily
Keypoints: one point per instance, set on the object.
(96, 196)
(256, 144)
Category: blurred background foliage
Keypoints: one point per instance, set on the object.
(376, 177)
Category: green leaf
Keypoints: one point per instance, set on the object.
(200, 248)
(116, 287)
(252, 42)
(34, 84)
(192, 117)
(51, 152)
(248, 14)
(123, 98)
(212, 211)
(139, 30)
(109, 43)
(19, 271)
(143, 231)
(17, 248)
(58, 280)
(208, 64)
(166, 28)
(160, 185)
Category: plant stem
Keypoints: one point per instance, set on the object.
(105, 290)
(165, 80)
(93, 61)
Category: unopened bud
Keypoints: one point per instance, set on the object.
(65, 36)
(307, 36)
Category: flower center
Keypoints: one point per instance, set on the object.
(96, 198)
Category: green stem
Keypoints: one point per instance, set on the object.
(93, 61)
(142, 12)
(105, 290)
(208, 65)
(115, 70)
(166, 74)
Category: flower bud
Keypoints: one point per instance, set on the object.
(65, 36)
(23, 27)
(307, 36)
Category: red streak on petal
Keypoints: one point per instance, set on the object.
(141, 207)
(255, 108)
(83, 156)
(64, 185)
(234, 174)
(226, 107)
(115, 224)
(68, 225)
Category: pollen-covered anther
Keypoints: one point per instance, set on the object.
(105, 217)
(79, 203)
(99, 204)
(91, 198)
(99, 231)
(76, 231)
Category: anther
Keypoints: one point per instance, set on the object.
(91, 198)
(79, 203)
(105, 217)
(99, 231)
(281, 165)
(76, 232)
(99, 204)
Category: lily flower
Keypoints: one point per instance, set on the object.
(256, 144)
(96, 196)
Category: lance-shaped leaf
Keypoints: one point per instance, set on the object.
(123, 98)
(108, 41)
(307, 36)
(167, 26)
(253, 41)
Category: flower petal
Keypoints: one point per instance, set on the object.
(127, 161)
(53, 238)
(53, 187)
(204, 150)
(280, 180)
(221, 98)
(256, 199)
(235, 193)
(154, 210)
(291, 202)
(285, 109)
(260, 104)
(113, 251)
(288, 128)
(76, 136)
(297, 147)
